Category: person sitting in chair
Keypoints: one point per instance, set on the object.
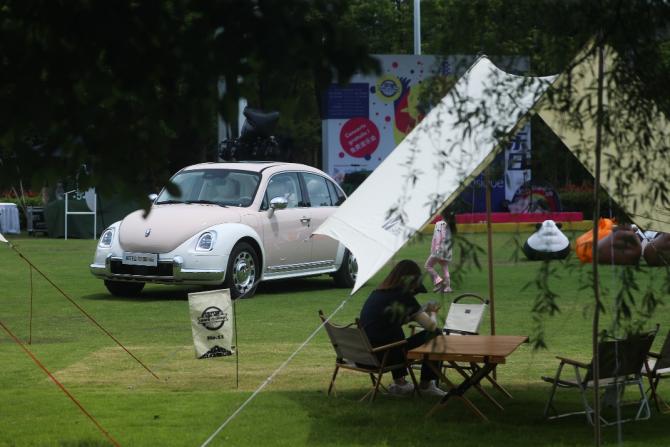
(390, 306)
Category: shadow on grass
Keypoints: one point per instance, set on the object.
(150, 293)
(156, 292)
(392, 421)
(297, 285)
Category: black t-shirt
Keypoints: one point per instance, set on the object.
(384, 313)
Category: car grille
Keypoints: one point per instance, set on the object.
(163, 269)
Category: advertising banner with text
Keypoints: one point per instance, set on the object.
(364, 120)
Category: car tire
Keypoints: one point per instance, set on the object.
(345, 277)
(243, 271)
(125, 289)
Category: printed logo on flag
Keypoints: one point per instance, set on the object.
(213, 318)
(212, 323)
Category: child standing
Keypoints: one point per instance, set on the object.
(440, 251)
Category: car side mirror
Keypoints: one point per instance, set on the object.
(278, 203)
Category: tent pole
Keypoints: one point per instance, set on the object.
(596, 217)
(30, 319)
(489, 241)
(237, 348)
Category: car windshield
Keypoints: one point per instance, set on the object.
(223, 187)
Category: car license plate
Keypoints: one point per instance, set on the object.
(150, 259)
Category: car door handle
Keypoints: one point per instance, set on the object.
(305, 220)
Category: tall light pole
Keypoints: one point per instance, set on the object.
(417, 27)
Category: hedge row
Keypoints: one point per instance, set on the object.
(583, 201)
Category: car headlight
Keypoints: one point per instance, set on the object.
(206, 241)
(106, 238)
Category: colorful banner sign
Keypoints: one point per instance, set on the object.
(364, 120)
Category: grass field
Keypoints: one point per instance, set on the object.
(194, 397)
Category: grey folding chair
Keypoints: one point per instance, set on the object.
(656, 368)
(620, 364)
(354, 353)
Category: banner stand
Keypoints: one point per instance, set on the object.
(237, 349)
(214, 328)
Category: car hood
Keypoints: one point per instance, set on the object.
(168, 226)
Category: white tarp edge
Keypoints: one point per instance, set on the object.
(431, 165)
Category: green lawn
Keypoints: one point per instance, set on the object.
(194, 397)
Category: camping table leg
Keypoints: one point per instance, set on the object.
(496, 385)
(479, 388)
(455, 391)
(460, 390)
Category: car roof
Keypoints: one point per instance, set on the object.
(255, 166)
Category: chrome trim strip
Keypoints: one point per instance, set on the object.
(301, 266)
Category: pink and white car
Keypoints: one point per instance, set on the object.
(234, 224)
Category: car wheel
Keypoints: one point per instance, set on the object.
(243, 271)
(345, 277)
(118, 288)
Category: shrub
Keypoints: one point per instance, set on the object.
(582, 200)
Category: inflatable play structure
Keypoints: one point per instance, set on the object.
(548, 242)
(584, 244)
(620, 247)
(656, 250)
(617, 244)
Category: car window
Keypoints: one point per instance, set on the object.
(220, 186)
(285, 185)
(336, 195)
(317, 190)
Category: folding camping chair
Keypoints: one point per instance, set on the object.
(465, 319)
(621, 363)
(354, 353)
(657, 367)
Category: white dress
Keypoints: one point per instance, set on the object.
(440, 246)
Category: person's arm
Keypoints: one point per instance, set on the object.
(425, 321)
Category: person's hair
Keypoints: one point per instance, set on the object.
(403, 270)
(449, 217)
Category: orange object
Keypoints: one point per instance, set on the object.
(584, 244)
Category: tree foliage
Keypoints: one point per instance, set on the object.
(130, 88)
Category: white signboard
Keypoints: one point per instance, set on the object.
(212, 321)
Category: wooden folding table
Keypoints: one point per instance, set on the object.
(487, 350)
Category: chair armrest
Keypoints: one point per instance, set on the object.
(573, 362)
(389, 346)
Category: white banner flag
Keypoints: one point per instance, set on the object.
(2, 239)
(212, 322)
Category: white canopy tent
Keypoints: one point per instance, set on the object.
(460, 137)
